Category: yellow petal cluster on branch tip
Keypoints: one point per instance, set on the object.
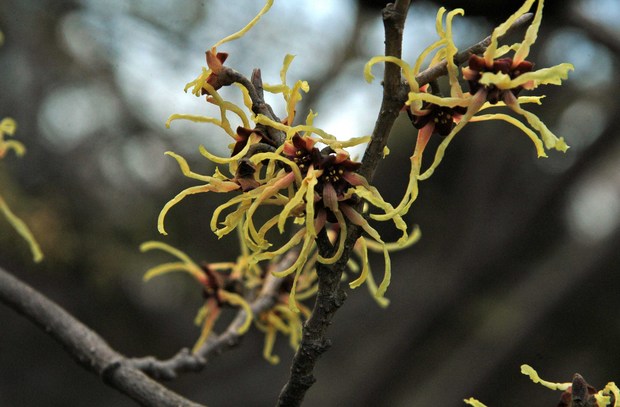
(490, 87)
(211, 278)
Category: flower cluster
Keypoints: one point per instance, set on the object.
(494, 80)
(277, 163)
(296, 176)
(285, 176)
(576, 393)
(7, 128)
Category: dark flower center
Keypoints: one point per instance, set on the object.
(504, 65)
(441, 116)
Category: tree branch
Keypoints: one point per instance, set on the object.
(330, 296)
(86, 346)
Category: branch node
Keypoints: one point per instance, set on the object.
(107, 374)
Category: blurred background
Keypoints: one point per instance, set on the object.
(519, 257)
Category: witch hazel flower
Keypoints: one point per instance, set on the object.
(494, 79)
(501, 78)
(330, 192)
(217, 281)
(578, 392)
(429, 112)
(575, 393)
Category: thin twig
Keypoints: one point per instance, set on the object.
(86, 346)
(185, 361)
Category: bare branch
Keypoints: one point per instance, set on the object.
(228, 76)
(85, 346)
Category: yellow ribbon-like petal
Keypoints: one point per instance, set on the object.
(533, 375)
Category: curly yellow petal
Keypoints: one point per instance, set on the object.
(301, 258)
(288, 58)
(294, 98)
(247, 28)
(604, 400)
(211, 316)
(343, 236)
(372, 289)
(254, 138)
(184, 166)
(387, 276)
(533, 375)
(236, 299)
(256, 158)
(293, 203)
(292, 301)
(153, 244)
(438, 100)
(168, 268)
(530, 35)
(363, 252)
(23, 230)
(247, 101)
(311, 180)
(473, 402)
(540, 149)
(491, 50)
(197, 83)
(549, 139)
(338, 144)
(192, 117)
(8, 126)
(14, 145)
(408, 73)
(178, 198)
(293, 241)
(270, 339)
(451, 50)
(233, 201)
(411, 192)
(413, 237)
